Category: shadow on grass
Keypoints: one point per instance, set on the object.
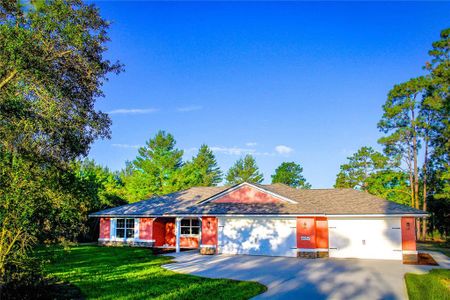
(131, 273)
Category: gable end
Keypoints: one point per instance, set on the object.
(247, 193)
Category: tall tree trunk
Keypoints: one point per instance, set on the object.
(416, 168)
(411, 179)
(425, 163)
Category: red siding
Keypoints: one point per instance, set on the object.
(146, 228)
(170, 233)
(188, 242)
(209, 231)
(408, 234)
(159, 232)
(322, 233)
(105, 228)
(306, 233)
(164, 234)
(247, 194)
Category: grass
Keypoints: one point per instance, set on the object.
(443, 247)
(434, 285)
(94, 272)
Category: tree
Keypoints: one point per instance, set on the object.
(361, 165)
(156, 168)
(202, 170)
(400, 121)
(290, 173)
(244, 170)
(438, 101)
(436, 131)
(389, 184)
(52, 67)
(103, 187)
(371, 171)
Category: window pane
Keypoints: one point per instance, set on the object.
(195, 222)
(120, 223)
(195, 230)
(185, 222)
(120, 233)
(185, 230)
(130, 233)
(130, 223)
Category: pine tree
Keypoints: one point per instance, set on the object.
(202, 170)
(244, 169)
(359, 168)
(290, 173)
(155, 169)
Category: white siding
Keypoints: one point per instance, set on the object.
(373, 238)
(258, 236)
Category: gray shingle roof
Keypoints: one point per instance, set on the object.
(313, 201)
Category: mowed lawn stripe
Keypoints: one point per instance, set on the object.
(434, 285)
(134, 273)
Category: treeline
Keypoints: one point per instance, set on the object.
(414, 168)
(52, 68)
(159, 169)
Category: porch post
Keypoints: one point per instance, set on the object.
(177, 233)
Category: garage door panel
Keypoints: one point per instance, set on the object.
(258, 236)
(365, 238)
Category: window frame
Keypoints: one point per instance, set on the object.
(125, 228)
(190, 226)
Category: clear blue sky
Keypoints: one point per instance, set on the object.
(300, 82)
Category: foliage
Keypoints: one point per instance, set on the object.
(51, 71)
(361, 165)
(390, 185)
(438, 101)
(290, 173)
(401, 122)
(371, 171)
(440, 215)
(155, 171)
(202, 170)
(134, 273)
(244, 169)
(433, 285)
(52, 68)
(416, 125)
(103, 187)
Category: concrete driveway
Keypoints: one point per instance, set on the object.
(293, 278)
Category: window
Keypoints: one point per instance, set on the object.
(125, 228)
(190, 226)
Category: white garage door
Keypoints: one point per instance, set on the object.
(257, 236)
(365, 238)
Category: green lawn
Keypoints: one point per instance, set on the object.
(443, 247)
(434, 285)
(95, 272)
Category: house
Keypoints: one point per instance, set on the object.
(274, 220)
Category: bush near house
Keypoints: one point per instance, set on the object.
(91, 271)
(434, 285)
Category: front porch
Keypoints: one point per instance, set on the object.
(177, 233)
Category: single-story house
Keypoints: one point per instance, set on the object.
(274, 220)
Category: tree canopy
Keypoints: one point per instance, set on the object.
(52, 67)
(359, 168)
(244, 169)
(202, 170)
(156, 168)
(290, 173)
(415, 166)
